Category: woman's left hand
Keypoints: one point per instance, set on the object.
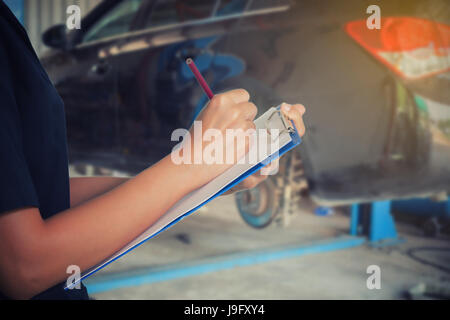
(292, 112)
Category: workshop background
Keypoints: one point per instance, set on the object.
(337, 222)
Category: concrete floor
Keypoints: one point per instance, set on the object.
(218, 229)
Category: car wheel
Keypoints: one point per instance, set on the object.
(259, 205)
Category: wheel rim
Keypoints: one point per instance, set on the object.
(256, 206)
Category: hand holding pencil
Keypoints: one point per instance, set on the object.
(233, 110)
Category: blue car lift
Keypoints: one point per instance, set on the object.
(375, 221)
(434, 213)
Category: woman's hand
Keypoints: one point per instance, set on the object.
(292, 112)
(295, 112)
(229, 110)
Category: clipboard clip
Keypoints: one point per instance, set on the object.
(279, 121)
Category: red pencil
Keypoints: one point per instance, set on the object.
(201, 81)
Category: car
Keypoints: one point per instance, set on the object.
(372, 132)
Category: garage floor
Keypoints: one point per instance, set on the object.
(218, 229)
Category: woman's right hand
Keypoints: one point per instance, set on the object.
(228, 110)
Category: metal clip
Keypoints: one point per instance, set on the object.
(285, 123)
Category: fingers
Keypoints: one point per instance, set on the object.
(271, 168)
(249, 183)
(295, 113)
(248, 110)
(242, 138)
(239, 95)
(244, 125)
(252, 181)
(235, 96)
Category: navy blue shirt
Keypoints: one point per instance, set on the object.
(33, 145)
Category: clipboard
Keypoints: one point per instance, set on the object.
(286, 138)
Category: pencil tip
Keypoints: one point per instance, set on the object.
(189, 61)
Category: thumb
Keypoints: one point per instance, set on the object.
(295, 113)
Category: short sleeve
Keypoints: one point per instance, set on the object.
(16, 185)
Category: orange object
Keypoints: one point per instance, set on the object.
(413, 48)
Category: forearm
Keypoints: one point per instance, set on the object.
(86, 188)
(87, 234)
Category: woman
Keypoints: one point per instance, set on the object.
(48, 221)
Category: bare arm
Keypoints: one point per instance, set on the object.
(83, 189)
(37, 252)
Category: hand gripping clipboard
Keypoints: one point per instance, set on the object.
(280, 132)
